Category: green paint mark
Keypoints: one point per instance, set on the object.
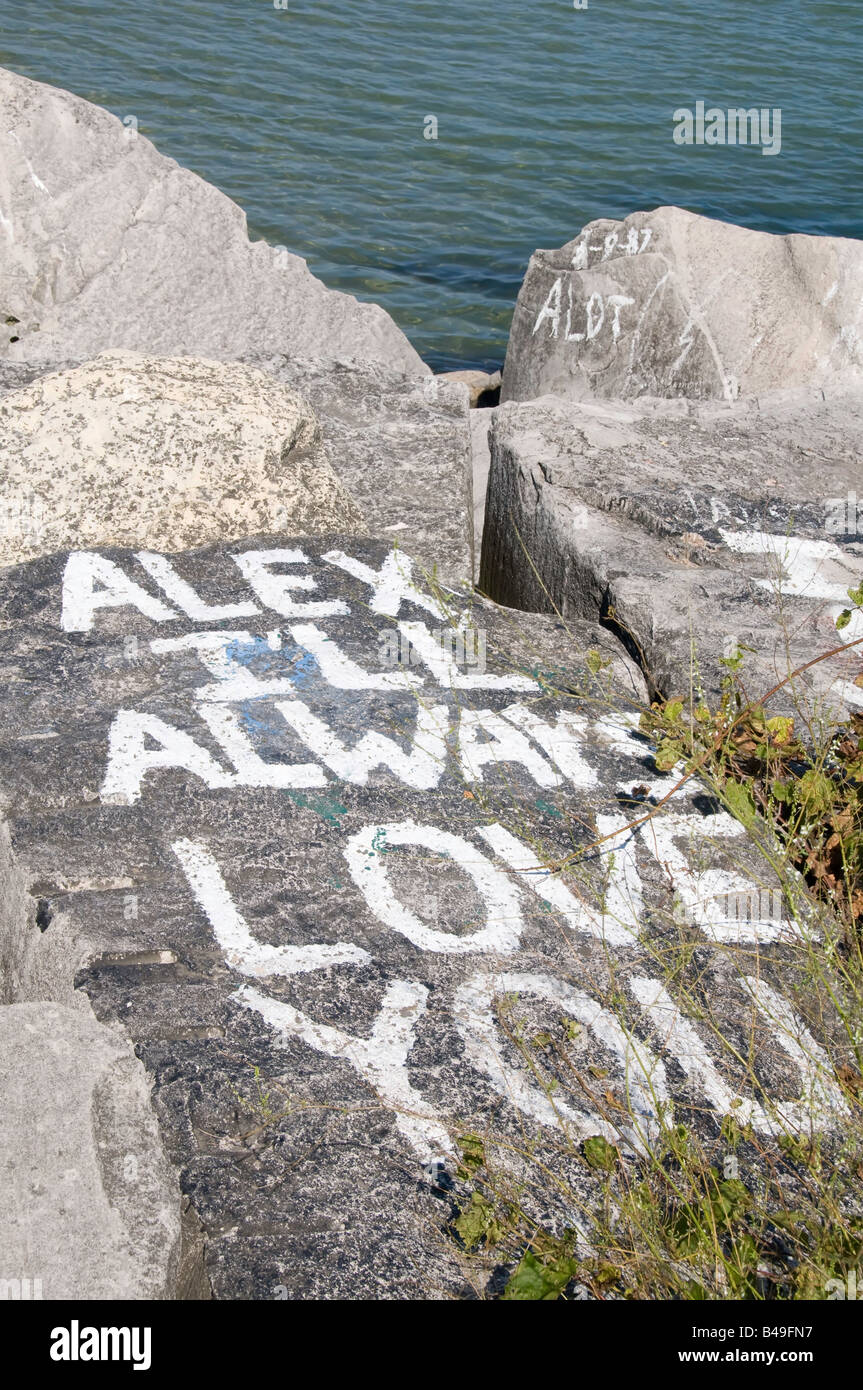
(551, 679)
(326, 807)
(549, 810)
(330, 810)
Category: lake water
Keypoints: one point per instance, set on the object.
(313, 119)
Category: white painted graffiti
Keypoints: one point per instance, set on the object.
(504, 873)
(92, 581)
(599, 310)
(382, 1058)
(637, 241)
(820, 571)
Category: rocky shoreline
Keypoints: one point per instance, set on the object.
(312, 663)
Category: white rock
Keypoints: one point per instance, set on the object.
(106, 243)
(667, 303)
(89, 1208)
(162, 453)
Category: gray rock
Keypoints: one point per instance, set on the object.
(105, 243)
(401, 447)
(161, 453)
(483, 386)
(667, 303)
(690, 529)
(89, 1208)
(336, 886)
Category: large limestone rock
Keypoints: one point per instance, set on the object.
(400, 445)
(89, 1208)
(105, 243)
(667, 303)
(402, 448)
(276, 841)
(161, 453)
(691, 530)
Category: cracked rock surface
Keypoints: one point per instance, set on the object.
(262, 825)
(692, 529)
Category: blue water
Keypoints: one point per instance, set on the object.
(312, 118)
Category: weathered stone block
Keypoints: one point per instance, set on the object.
(302, 857)
(691, 530)
(105, 243)
(667, 303)
(160, 453)
(89, 1207)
